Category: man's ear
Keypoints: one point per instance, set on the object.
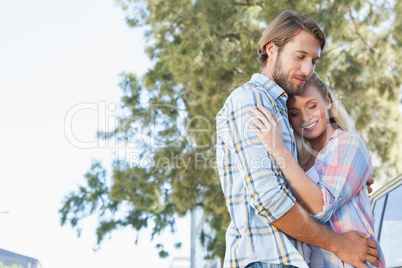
(271, 49)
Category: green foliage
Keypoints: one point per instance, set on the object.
(204, 49)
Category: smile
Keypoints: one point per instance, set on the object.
(310, 126)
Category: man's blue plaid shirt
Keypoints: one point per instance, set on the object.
(255, 191)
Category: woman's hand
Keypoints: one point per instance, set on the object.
(267, 129)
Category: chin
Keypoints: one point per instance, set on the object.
(309, 136)
(295, 90)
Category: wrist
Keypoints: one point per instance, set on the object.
(281, 158)
(282, 153)
(335, 244)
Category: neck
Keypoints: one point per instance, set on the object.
(267, 72)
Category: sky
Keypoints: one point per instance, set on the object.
(59, 72)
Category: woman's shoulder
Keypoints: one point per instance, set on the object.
(343, 135)
(344, 146)
(350, 138)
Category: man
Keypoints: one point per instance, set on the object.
(267, 223)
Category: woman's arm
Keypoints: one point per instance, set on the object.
(306, 191)
(345, 174)
(269, 131)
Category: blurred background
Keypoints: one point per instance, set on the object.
(54, 56)
(108, 118)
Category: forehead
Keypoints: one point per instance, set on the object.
(310, 92)
(306, 43)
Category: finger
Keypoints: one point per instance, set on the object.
(373, 260)
(253, 127)
(256, 130)
(277, 118)
(369, 183)
(278, 122)
(364, 265)
(369, 189)
(374, 253)
(256, 121)
(372, 244)
(367, 236)
(266, 113)
(267, 119)
(258, 113)
(266, 125)
(361, 264)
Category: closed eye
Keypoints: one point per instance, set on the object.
(313, 106)
(293, 114)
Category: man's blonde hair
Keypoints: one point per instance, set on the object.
(283, 29)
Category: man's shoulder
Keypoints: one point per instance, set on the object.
(248, 94)
(246, 89)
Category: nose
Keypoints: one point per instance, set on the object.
(307, 68)
(305, 116)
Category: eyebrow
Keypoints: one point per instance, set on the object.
(307, 102)
(304, 52)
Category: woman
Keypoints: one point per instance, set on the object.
(335, 158)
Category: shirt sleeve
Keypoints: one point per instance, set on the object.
(265, 186)
(345, 172)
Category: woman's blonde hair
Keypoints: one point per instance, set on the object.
(338, 117)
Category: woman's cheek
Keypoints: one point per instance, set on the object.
(296, 124)
(318, 113)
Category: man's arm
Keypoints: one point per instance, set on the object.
(265, 185)
(351, 247)
(267, 188)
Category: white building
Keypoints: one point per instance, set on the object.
(198, 251)
(198, 257)
(180, 262)
(9, 258)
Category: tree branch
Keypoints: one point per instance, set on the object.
(372, 49)
(230, 35)
(248, 3)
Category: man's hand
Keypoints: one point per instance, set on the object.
(356, 249)
(369, 183)
(351, 247)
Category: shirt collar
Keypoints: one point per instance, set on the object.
(273, 89)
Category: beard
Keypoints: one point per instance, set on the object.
(281, 79)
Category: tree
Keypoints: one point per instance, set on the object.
(202, 50)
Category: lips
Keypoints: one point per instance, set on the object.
(310, 126)
(300, 80)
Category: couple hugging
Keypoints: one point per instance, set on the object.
(294, 172)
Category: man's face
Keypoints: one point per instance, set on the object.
(295, 62)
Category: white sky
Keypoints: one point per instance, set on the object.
(55, 55)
